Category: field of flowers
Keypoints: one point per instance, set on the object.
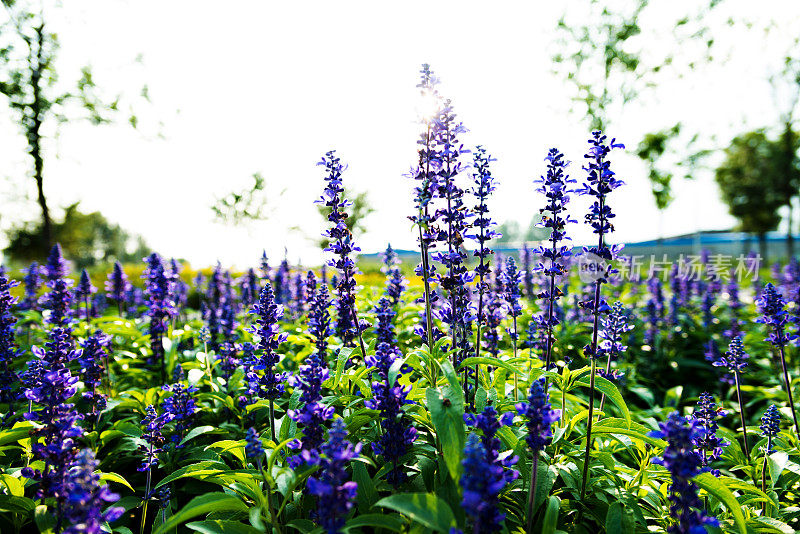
(537, 392)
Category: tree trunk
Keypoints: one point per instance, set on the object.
(789, 236)
(37, 65)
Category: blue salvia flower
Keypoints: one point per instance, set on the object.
(299, 294)
(395, 283)
(770, 425)
(228, 350)
(83, 292)
(774, 315)
(152, 439)
(280, 283)
(735, 360)
(49, 386)
(482, 228)
(342, 246)
(335, 493)
(683, 462)
(494, 314)
(179, 408)
(708, 444)
(266, 271)
(526, 259)
(454, 216)
(389, 397)
(179, 290)
(655, 311)
(512, 279)
(8, 349)
(734, 305)
(489, 423)
(160, 307)
(85, 498)
(92, 361)
(33, 281)
(56, 266)
(482, 483)
(615, 325)
(58, 302)
(254, 449)
(312, 414)
(600, 182)
(713, 355)
(267, 385)
(539, 417)
(555, 186)
(250, 288)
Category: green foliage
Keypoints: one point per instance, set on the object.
(86, 238)
(752, 183)
(248, 205)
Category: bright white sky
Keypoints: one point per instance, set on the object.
(242, 87)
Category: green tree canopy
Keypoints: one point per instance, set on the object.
(86, 238)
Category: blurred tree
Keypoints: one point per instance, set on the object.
(749, 179)
(513, 234)
(28, 80)
(606, 61)
(786, 94)
(86, 238)
(357, 213)
(240, 207)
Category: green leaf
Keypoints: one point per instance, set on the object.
(18, 432)
(19, 505)
(385, 521)
(424, 508)
(616, 520)
(344, 355)
(303, 525)
(45, 521)
(634, 430)
(222, 527)
(197, 431)
(204, 504)
(472, 361)
(611, 392)
(447, 414)
(200, 469)
(715, 487)
(114, 477)
(551, 515)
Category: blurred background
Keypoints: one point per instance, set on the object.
(193, 128)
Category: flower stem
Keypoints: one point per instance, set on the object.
(741, 414)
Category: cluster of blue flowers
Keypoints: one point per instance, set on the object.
(389, 397)
(683, 462)
(555, 186)
(486, 474)
(330, 485)
(342, 246)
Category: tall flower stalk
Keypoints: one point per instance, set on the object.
(554, 185)
(483, 232)
(117, 286)
(684, 463)
(511, 281)
(426, 174)
(539, 419)
(389, 397)
(268, 384)
(735, 360)
(600, 181)
(770, 427)
(342, 246)
(772, 307)
(8, 348)
(160, 308)
(455, 218)
(312, 414)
